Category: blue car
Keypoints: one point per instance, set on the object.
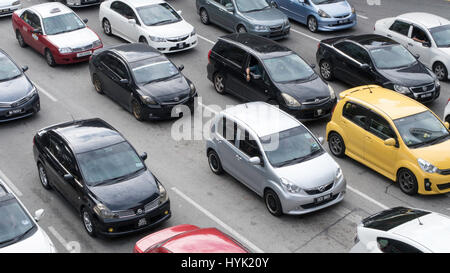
(323, 15)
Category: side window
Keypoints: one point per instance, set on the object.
(26, 17)
(255, 66)
(247, 144)
(400, 27)
(55, 148)
(356, 52)
(68, 161)
(117, 7)
(228, 130)
(36, 22)
(117, 67)
(393, 246)
(235, 55)
(419, 35)
(128, 12)
(226, 3)
(355, 113)
(380, 127)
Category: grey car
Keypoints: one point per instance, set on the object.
(252, 16)
(277, 157)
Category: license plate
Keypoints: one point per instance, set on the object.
(181, 45)
(343, 21)
(142, 222)
(14, 112)
(322, 198)
(83, 54)
(427, 95)
(5, 10)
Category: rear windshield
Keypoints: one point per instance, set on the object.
(392, 218)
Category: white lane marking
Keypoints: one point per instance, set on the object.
(362, 16)
(205, 39)
(10, 184)
(218, 221)
(306, 35)
(42, 90)
(365, 196)
(72, 246)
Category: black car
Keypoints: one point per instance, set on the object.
(374, 59)
(254, 68)
(19, 98)
(142, 80)
(95, 168)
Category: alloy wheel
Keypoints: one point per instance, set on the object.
(312, 24)
(219, 83)
(440, 71)
(325, 70)
(106, 27)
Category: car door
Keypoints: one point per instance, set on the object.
(117, 17)
(355, 119)
(73, 189)
(120, 91)
(213, 7)
(283, 5)
(224, 17)
(257, 89)
(125, 27)
(348, 63)
(32, 22)
(419, 43)
(399, 31)
(234, 60)
(55, 170)
(299, 9)
(226, 146)
(106, 73)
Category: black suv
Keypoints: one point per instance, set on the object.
(98, 172)
(374, 59)
(254, 68)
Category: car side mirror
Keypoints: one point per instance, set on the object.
(273, 4)
(426, 44)
(390, 142)
(143, 156)
(24, 68)
(68, 177)
(365, 66)
(38, 214)
(124, 81)
(321, 140)
(181, 67)
(312, 66)
(85, 20)
(255, 161)
(132, 21)
(447, 125)
(37, 31)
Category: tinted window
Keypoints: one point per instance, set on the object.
(393, 246)
(123, 10)
(116, 66)
(247, 144)
(380, 127)
(356, 52)
(227, 129)
(400, 27)
(356, 114)
(68, 161)
(419, 35)
(55, 147)
(235, 55)
(31, 19)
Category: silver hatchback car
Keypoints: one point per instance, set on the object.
(276, 156)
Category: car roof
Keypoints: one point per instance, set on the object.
(263, 47)
(140, 3)
(371, 40)
(204, 240)
(391, 103)
(50, 9)
(135, 51)
(87, 135)
(258, 115)
(427, 20)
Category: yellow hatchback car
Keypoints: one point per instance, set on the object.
(395, 136)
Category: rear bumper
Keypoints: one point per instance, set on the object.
(27, 109)
(332, 24)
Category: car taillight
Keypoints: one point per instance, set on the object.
(209, 56)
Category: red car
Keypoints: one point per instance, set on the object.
(188, 239)
(56, 32)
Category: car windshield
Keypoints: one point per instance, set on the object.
(14, 222)
(441, 35)
(155, 72)
(253, 5)
(294, 146)
(109, 164)
(159, 14)
(390, 57)
(320, 2)
(421, 129)
(8, 70)
(288, 68)
(62, 23)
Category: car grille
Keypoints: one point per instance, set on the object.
(152, 205)
(422, 89)
(318, 191)
(343, 16)
(133, 212)
(444, 172)
(173, 99)
(314, 205)
(443, 186)
(178, 39)
(82, 48)
(89, 1)
(317, 100)
(276, 28)
(16, 103)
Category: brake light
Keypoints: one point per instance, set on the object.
(209, 56)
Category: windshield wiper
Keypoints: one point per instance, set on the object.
(16, 239)
(119, 178)
(252, 10)
(162, 22)
(160, 79)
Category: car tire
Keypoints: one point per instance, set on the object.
(137, 110)
(241, 29)
(20, 39)
(43, 177)
(204, 17)
(98, 85)
(88, 222)
(312, 24)
(273, 203)
(143, 40)
(407, 182)
(49, 58)
(214, 163)
(326, 70)
(447, 119)
(440, 71)
(219, 83)
(106, 25)
(336, 145)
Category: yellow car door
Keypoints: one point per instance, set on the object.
(354, 122)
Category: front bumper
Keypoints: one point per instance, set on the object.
(82, 3)
(273, 34)
(428, 96)
(130, 225)
(440, 183)
(8, 10)
(172, 47)
(312, 111)
(164, 111)
(74, 57)
(29, 108)
(331, 24)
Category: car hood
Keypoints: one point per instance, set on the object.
(127, 194)
(268, 17)
(336, 9)
(6, 3)
(166, 90)
(414, 75)
(177, 29)
(435, 155)
(39, 242)
(73, 39)
(14, 89)
(313, 173)
(303, 91)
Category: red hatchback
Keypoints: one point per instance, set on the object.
(188, 239)
(56, 32)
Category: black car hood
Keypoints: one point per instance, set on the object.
(307, 90)
(167, 89)
(14, 89)
(414, 75)
(127, 194)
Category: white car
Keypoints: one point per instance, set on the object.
(447, 112)
(423, 34)
(403, 230)
(7, 7)
(19, 232)
(153, 22)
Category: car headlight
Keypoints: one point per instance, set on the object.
(64, 50)
(97, 43)
(148, 100)
(426, 166)
(261, 27)
(323, 14)
(193, 33)
(157, 39)
(437, 83)
(290, 101)
(332, 94)
(103, 211)
(193, 89)
(290, 187)
(16, 3)
(401, 89)
(163, 196)
(339, 174)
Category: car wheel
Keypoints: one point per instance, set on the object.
(273, 203)
(241, 29)
(336, 145)
(143, 40)
(219, 83)
(137, 110)
(214, 162)
(440, 71)
(20, 39)
(107, 27)
(204, 17)
(407, 181)
(98, 85)
(326, 70)
(43, 177)
(447, 119)
(312, 24)
(49, 58)
(88, 222)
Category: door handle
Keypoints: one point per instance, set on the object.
(389, 35)
(238, 157)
